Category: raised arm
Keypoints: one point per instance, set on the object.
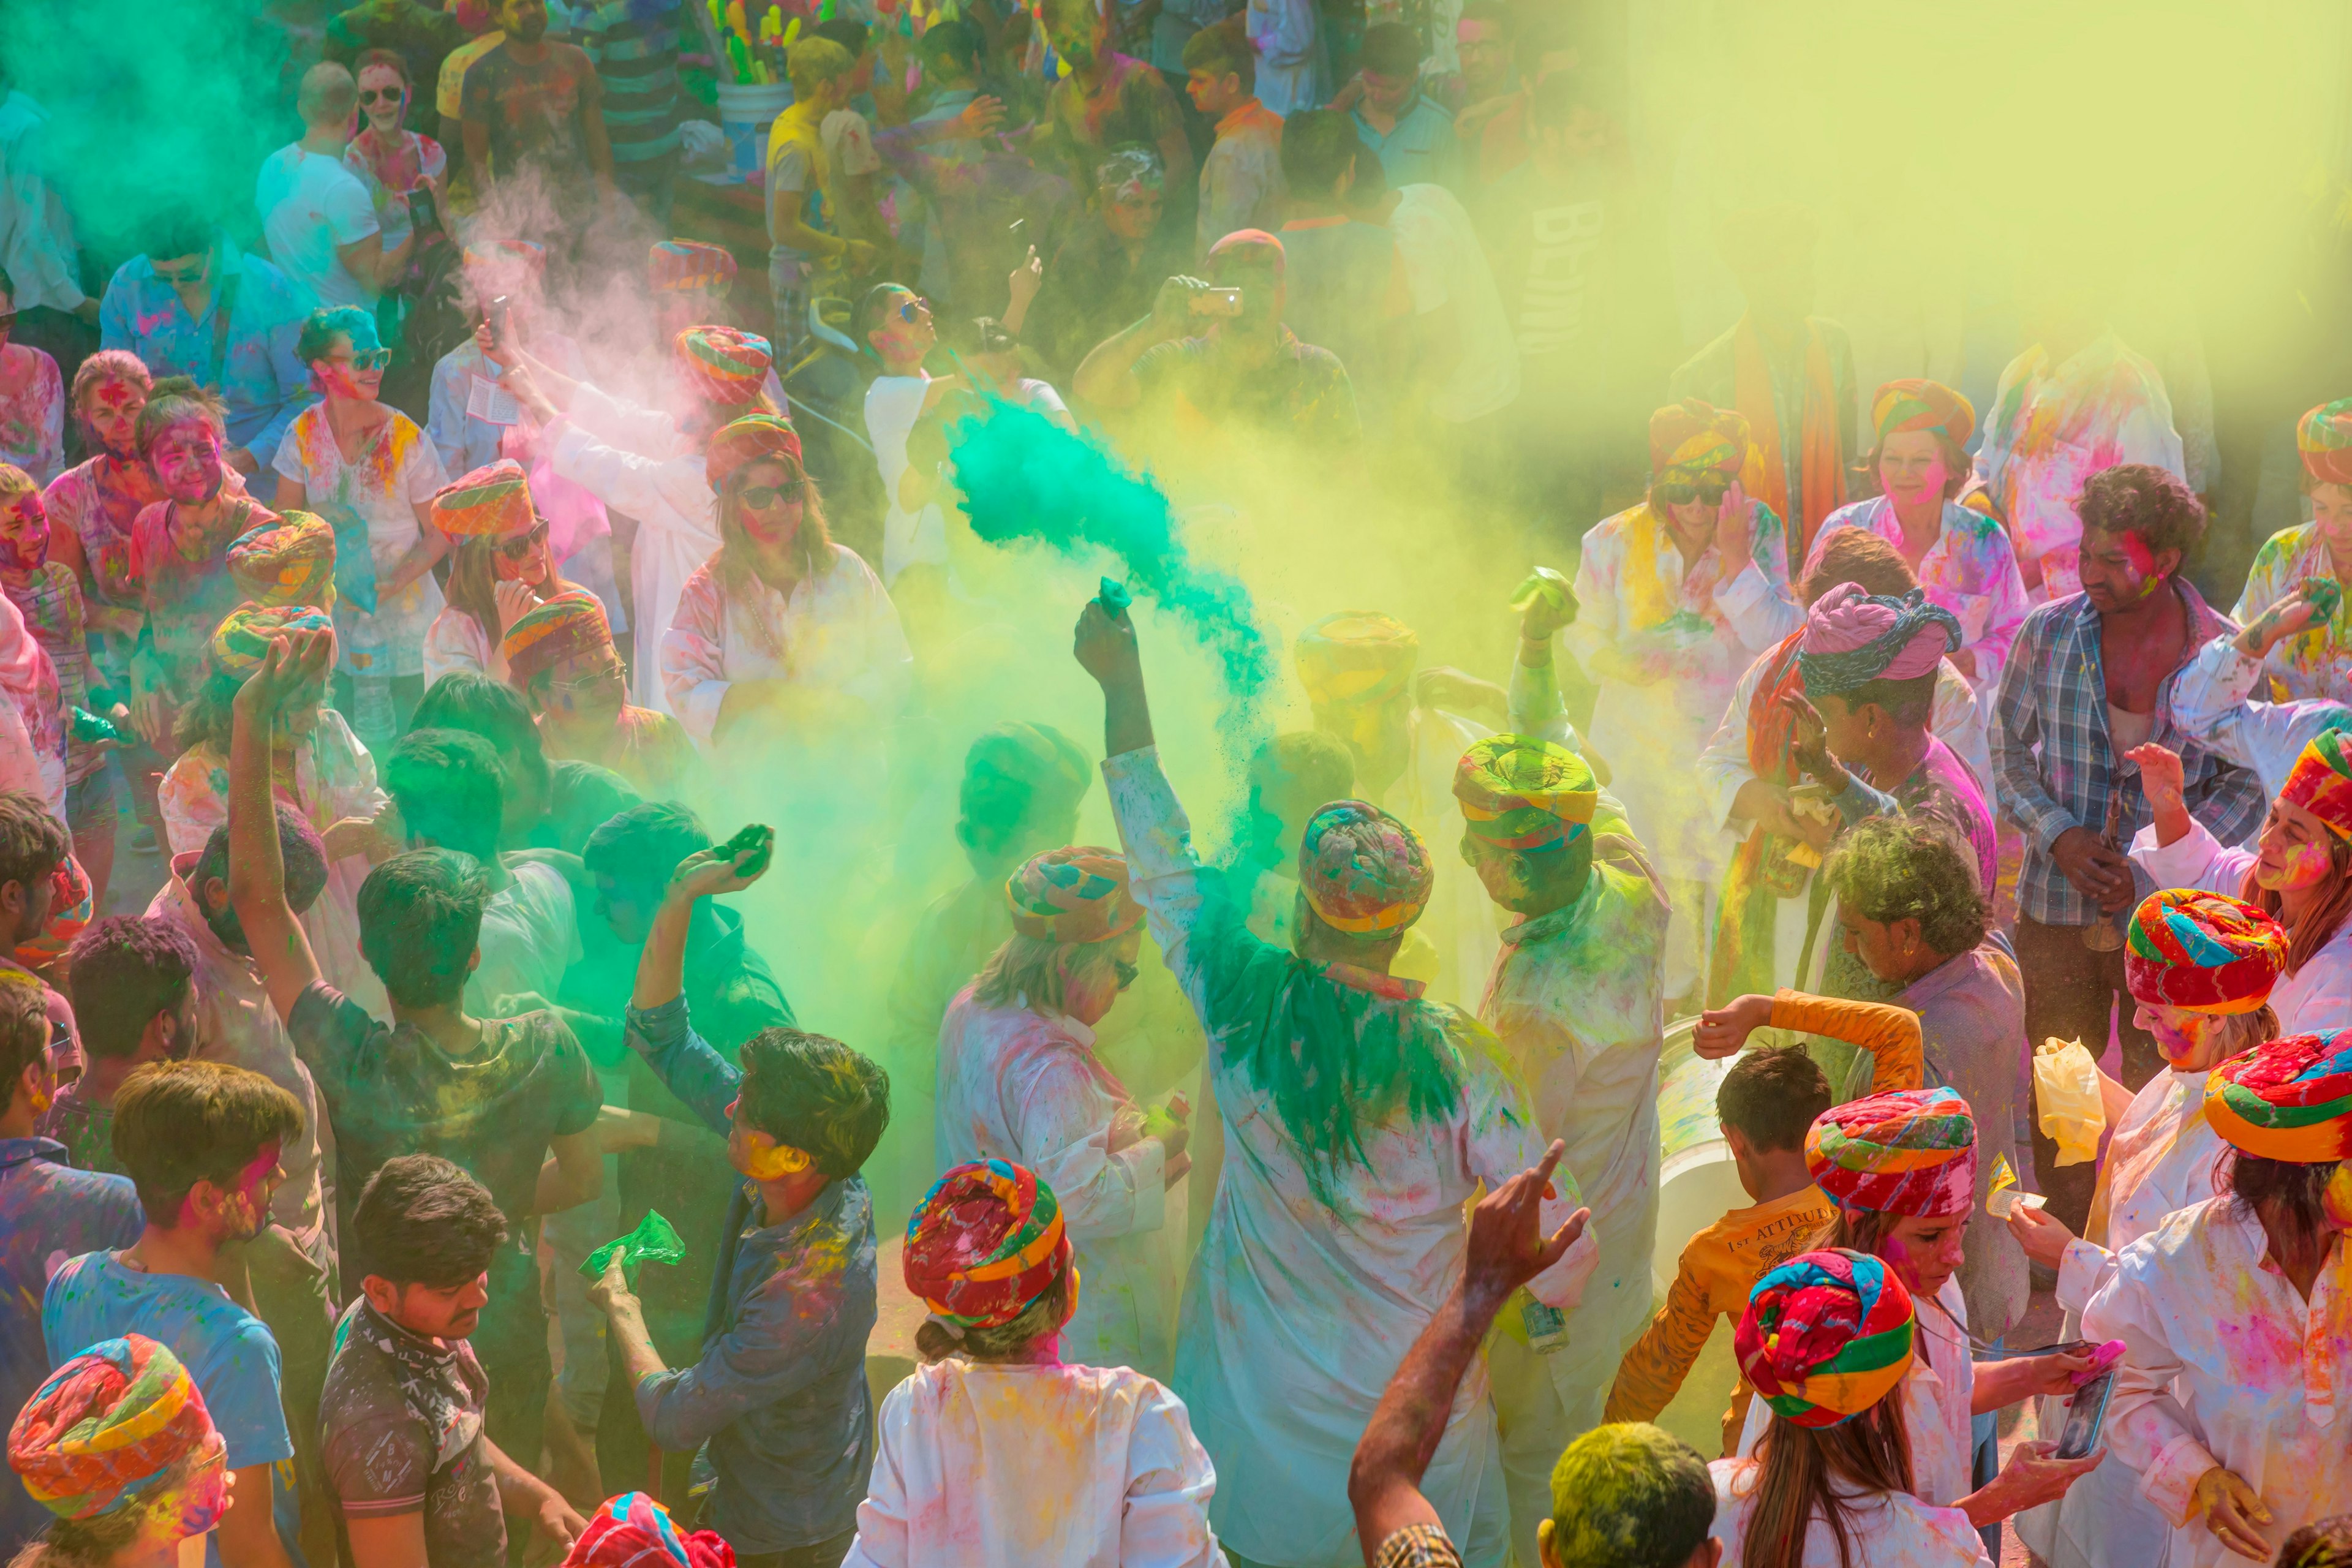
(1891, 1034)
(1507, 1248)
(257, 872)
(658, 1026)
(1106, 375)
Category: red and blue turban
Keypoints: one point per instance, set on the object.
(723, 364)
(1912, 1152)
(633, 1530)
(2208, 952)
(1826, 1337)
(2321, 781)
(1363, 871)
(2286, 1099)
(107, 1425)
(985, 1242)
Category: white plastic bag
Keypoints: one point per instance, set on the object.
(2066, 1091)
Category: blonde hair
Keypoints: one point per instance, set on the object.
(1030, 970)
(813, 62)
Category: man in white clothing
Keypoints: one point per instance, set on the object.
(316, 215)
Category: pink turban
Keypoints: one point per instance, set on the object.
(1853, 638)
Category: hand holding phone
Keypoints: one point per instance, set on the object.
(1217, 301)
(2085, 1416)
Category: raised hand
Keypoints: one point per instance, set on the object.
(1507, 1246)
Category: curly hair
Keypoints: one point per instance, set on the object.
(323, 326)
(1892, 868)
(2141, 499)
(815, 1094)
(32, 842)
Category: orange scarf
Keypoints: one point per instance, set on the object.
(1821, 481)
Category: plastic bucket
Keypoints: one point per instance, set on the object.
(745, 112)
(1696, 1182)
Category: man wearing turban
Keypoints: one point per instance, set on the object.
(2235, 1449)
(1019, 1079)
(1358, 1116)
(560, 655)
(2299, 871)
(2310, 656)
(1787, 372)
(2201, 968)
(1577, 997)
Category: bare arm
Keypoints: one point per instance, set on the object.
(249, 1535)
(256, 873)
(1106, 376)
(521, 1492)
(430, 546)
(372, 262)
(477, 152)
(394, 1542)
(292, 495)
(574, 1174)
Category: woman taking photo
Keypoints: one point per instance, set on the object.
(999, 1453)
(2200, 967)
(370, 473)
(1019, 1080)
(2236, 1320)
(502, 570)
(118, 1445)
(781, 627)
(2299, 872)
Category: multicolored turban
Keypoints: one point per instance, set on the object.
(1250, 247)
(1692, 435)
(723, 364)
(290, 561)
(2208, 952)
(1362, 870)
(985, 1241)
(2324, 440)
(1357, 656)
(686, 265)
(107, 1425)
(73, 906)
(571, 623)
(492, 502)
(1826, 1337)
(1911, 1152)
(1914, 404)
(1854, 638)
(1522, 792)
(2321, 781)
(242, 639)
(746, 440)
(1077, 893)
(2286, 1099)
(633, 1530)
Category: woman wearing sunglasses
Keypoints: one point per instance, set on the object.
(370, 473)
(390, 160)
(782, 632)
(1678, 597)
(503, 568)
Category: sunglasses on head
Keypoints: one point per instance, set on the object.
(366, 359)
(383, 94)
(760, 497)
(1682, 493)
(520, 547)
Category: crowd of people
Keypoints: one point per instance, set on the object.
(409, 579)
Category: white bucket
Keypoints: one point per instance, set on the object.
(745, 113)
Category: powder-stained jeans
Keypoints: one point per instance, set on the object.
(2072, 994)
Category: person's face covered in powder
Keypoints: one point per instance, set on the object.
(2296, 849)
(384, 99)
(770, 498)
(353, 368)
(187, 462)
(109, 411)
(2119, 570)
(24, 528)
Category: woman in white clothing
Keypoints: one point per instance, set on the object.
(2299, 872)
(1827, 1340)
(647, 464)
(503, 569)
(2200, 967)
(996, 1453)
(1019, 1080)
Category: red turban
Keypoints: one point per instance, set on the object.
(1912, 1153)
(632, 1530)
(1694, 435)
(2321, 781)
(571, 623)
(746, 440)
(1826, 1336)
(1073, 894)
(108, 1425)
(723, 364)
(2323, 440)
(684, 266)
(985, 1241)
(2206, 952)
(492, 502)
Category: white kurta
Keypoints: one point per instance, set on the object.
(1936, 1394)
(2213, 701)
(1894, 1529)
(2317, 996)
(457, 645)
(1298, 1309)
(1025, 1086)
(1009, 1467)
(634, 460)
(2227, 1365)
(2160, 1160)
(838, 630)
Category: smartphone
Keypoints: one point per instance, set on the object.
(2085, 1416)
(423, 215)
(497, 316)
(1217, 302)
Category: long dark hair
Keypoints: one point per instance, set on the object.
(2297, 1198)
(1804, 1471)
(812, 546)
(2329, 908)
(1007, 1341)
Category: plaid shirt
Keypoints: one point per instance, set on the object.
(2056, 762)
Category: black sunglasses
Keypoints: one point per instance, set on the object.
(383, 94)
(1678, 492)
(520, 547)
(763, 497)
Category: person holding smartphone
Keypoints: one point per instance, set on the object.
(2236, 1319)
(403, 171)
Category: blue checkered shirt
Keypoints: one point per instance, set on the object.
(2056, 762)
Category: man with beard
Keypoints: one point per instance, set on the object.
(536, 108)
(415, 1478)
(200, 1141)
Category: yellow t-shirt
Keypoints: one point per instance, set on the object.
(449, 87)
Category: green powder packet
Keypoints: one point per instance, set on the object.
(654, 1240)
(2324, 594)
(1113, 596)
(751, 837)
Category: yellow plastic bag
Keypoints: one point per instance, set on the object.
(2066, 1089)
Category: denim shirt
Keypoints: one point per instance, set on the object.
(780, 1393)
(1420, 149)
(264, 384)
